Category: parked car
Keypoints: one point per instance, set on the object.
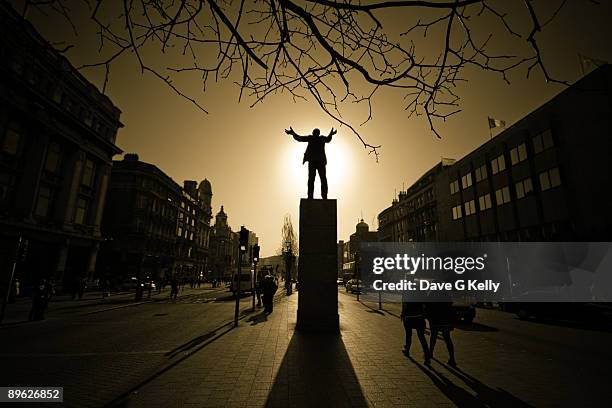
(354, 286)
(465, 310)
(148, 285)
(129, 284)
(340, 281)
(567, 311)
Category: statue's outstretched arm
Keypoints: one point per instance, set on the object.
(297, 137)
(331, 133)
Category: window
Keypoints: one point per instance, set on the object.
(457, 212)
(139, 225)
(502, 196)
(57, 94)
(81, 211)
(10, 144)
(5, 186)
(87, 117)
(180, 232)
(53, 158)
(470, 208)
(484, 202)
(481, 173)
(523, 188)
(141, 201)
(518, 154)
(18, 65)
(454, 187)
(543, 141)
(88, 173)
(498, 164)
(466, 181)
(550, 178)
(43, 201)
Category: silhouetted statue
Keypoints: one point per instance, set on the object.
(315, 156)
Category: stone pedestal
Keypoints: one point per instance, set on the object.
(318, 267)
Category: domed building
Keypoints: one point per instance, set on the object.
(223, 246)
(347, 250)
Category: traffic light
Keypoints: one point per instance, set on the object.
(244, 239)
(256, 253)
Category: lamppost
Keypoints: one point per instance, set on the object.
(243, 243)
(288, 264)
(255, 261)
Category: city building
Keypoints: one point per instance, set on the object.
(545, 178)
(413, 215)
(223, 249)
(350, 249)
(57, 140)
(153, 228)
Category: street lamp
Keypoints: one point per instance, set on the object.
(288, 264)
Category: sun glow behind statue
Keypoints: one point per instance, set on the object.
(339, 166)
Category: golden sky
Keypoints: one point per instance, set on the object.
(256, 170)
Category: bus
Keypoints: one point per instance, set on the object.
(246, 281)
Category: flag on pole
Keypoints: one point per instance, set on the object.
(588, 64)
(494, 123)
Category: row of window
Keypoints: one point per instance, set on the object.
(540, 142)
(37, 78)
(548, 179)
(10, 145)
(44, 203)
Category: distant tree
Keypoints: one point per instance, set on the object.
(332, 52)
(289, 238)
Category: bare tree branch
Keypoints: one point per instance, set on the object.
(327, 51)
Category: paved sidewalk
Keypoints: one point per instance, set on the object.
(265, 362)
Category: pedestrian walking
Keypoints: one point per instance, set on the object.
(413, 318)
(258, 291)
(40, 301)
(269, 288)
(441, 320)
(106, 288)
(174, 287)
(82, 284)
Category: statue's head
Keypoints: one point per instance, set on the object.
(316, 132)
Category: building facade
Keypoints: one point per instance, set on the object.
(413, 215)
(349, 250)
(545, 178)
(223, 249)
(153, 228)
(57, 140)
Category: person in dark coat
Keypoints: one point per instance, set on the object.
(268, 287)
(413, 317)
(315, 156)
(441, 320)
(40, 301)
(174, 287)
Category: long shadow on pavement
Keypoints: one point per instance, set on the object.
(316, 371)
(258, 318)
(485, 395)
(201, 342)
(381, 311)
